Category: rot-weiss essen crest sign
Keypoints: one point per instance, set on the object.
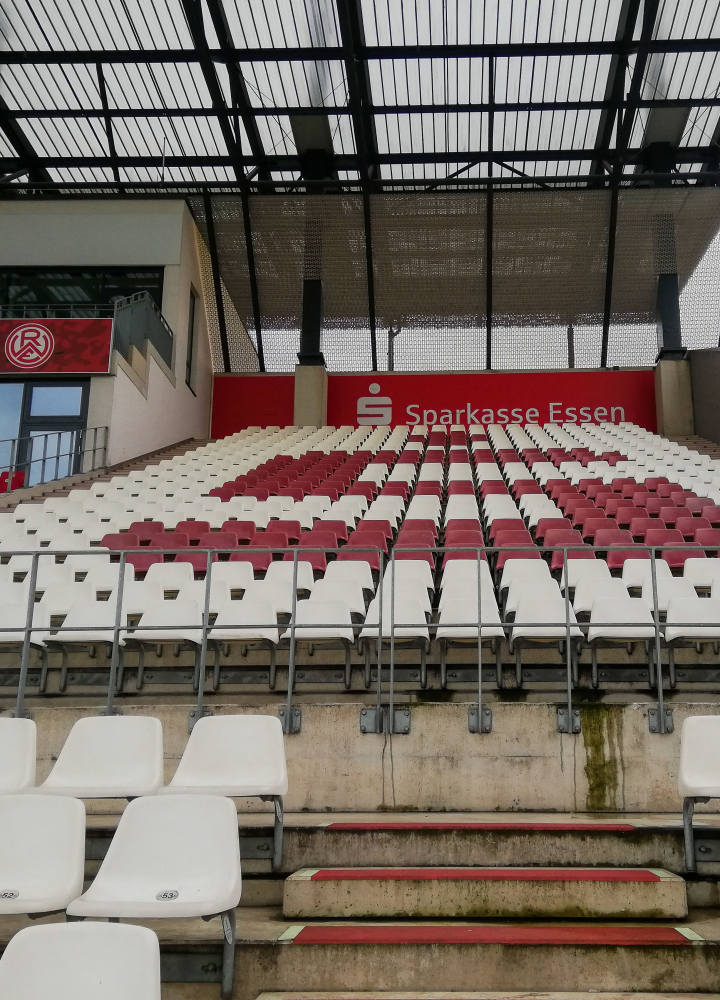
(55, 346)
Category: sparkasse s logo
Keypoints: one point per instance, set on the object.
(374, 410)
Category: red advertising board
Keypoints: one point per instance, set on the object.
(55, 346)
(241, 401)
(462, 398)
(493, 397)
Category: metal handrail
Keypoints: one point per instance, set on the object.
(296, 551)
(80, 447)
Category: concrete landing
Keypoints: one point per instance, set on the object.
(543, 893)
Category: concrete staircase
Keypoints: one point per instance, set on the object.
(445, 917)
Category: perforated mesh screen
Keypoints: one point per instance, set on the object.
(549, 272)
(549, 260)
(660, 231)
(243, 356)
(429, 260)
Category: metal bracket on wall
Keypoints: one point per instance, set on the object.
(373, 722)
(295, 721)
(195, 716)
(487, 720)
(654, 720)
(563, 724)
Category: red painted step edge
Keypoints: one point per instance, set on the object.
(487, 874)
(491, 934)
(518, 827)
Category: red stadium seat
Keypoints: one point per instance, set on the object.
(146, 530)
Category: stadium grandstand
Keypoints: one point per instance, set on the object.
(359, 499)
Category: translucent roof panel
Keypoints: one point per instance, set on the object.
(426, 22)
(100, 85)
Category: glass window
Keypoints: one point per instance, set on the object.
(76, 289)
(11, 397)
(56, 401)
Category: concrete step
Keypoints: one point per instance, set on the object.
(456, 957)
(485, 893)
(467, 995)
(563, 843)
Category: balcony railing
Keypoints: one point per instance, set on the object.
(40, 458)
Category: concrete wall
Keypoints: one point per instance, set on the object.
(616, 765)
(705, 376)
(674, 399)
(146, 405)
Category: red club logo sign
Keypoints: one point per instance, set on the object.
(29, 345)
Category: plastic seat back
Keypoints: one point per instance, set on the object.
(172, 855)
(18, 739)
(109, 757)
(83, 961)
(42, 852)
(233, 755)
(699, 768)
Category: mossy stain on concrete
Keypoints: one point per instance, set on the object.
(602, 731)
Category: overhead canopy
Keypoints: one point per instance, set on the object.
(434, 153)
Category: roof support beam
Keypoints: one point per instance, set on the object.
(489, 227)
(28, 158)
(175, 189)
(252, 275)
(217, 281)
(624, 130)
(108, 124)
(352, 33)
(193, 15)
(379, 109)
(615, 88)
(466, 50)
(238, 89)
(682, 155)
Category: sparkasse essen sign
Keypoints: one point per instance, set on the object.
(55, 346)
(468, 398)
(493, 398)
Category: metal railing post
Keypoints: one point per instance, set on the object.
(484, 715)
(572, 723)
(378, 705)
(20, 712)
(199, 709)
(291, 656)
(115, 657)
(391, 690)
(660, 726)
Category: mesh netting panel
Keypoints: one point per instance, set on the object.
(429, 265)
(662, 231)
(700, 301)
(549, 259)
(243, 357)
(316, 236)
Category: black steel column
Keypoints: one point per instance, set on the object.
(252, 275)
(489, 221)
(370, 279)
(609, 271)
(108, 123)
(219, 304)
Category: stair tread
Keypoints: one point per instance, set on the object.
(488, 873)
(589, 826)
(608, 935)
